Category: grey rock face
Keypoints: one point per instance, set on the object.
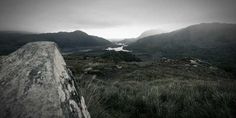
(35, 83)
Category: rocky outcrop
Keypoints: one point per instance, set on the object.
(35, 83)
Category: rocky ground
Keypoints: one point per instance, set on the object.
(1, 58)
(186, 68)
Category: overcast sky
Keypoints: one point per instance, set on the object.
(111, 18)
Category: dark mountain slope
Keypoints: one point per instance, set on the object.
(214, 42)
(66, 40)
(150, 33)
(143, 35)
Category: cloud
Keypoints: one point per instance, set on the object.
(67, 15)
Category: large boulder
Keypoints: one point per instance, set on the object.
(35, 83)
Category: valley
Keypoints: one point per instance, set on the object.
(185, 73)
(117, 59)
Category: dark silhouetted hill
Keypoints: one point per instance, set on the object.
(10, 41)
(214, 42)
(150, 33)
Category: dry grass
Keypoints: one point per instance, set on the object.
(155, 90)
(160, 98)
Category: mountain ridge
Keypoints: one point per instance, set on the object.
(214, 42)
(150, 33)
(65, 40)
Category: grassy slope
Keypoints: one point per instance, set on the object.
(148, 90)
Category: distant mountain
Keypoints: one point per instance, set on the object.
(214, 42)
(128, 41)
(144, 34)
(67, 41)
(150, 33)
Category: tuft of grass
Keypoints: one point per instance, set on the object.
(160, 98)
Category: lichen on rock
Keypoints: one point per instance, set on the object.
(36, 83)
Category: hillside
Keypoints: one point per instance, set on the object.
(150, 33)
(67, 41)
(168, 88)
(213, 42)
(147, 33)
